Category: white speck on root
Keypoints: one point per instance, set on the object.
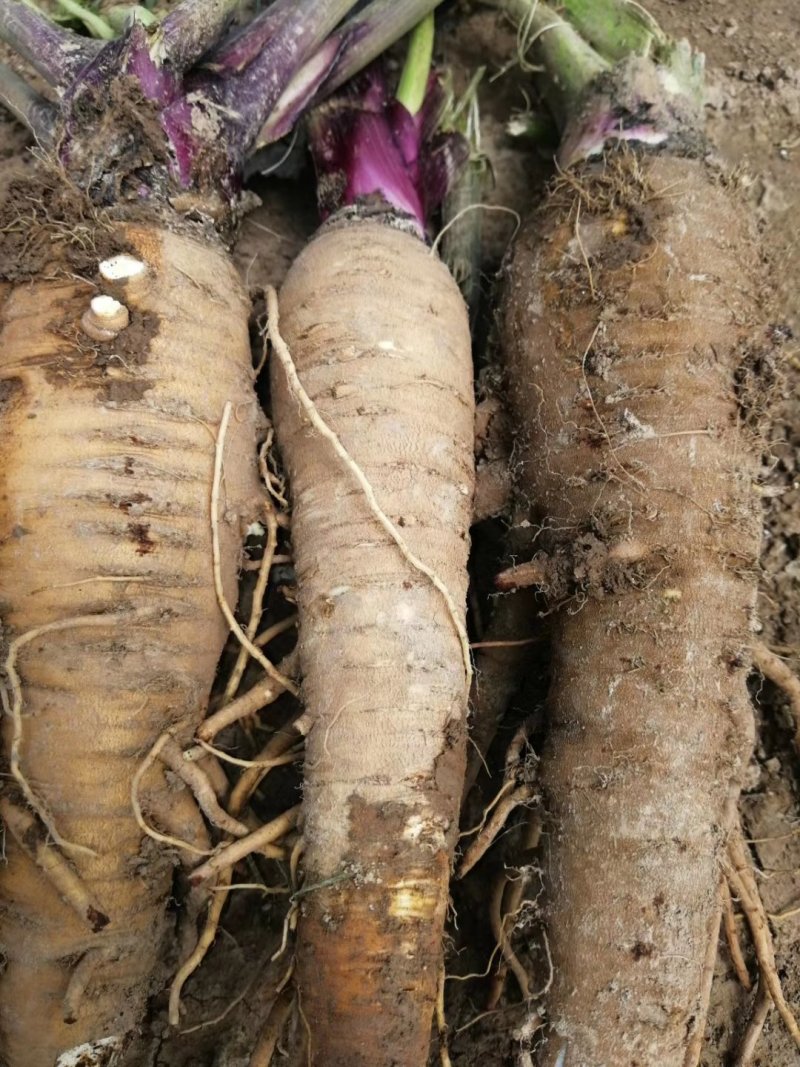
(121, 268)
(309, 407)
(105, 307)
(105, 318)
(414, 828)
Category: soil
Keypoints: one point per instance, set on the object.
(754, 121)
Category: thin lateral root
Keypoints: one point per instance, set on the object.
(254, 842)
(732, 937)
(324, 430)
(257, 607)
(739, 872)
(441, 1023)
(217, 779)
(23, 827)
(281, 742)
(142, 823)
(179, 816)
(694, 1047)
(743, 1057)
(781, 675)
(263, 764)
(204, 943)
(277, 628)
(262, 693)
(192, 775)
(521, 795)
(498, 917)
(584, 257)
(269, 1036)
(225, 607)
(15, 712)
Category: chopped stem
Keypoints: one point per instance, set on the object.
(534, 126)
(241, 46)
(95, 24)
(616, 28)
(57, 54)
(657, 88)
(370, 33)
(413, 83)
(189, 30)
(30, 107)
(347, 51)
(252, 94)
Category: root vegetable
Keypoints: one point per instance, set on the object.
(381, 658)
(628, 323)
(373, 411)
(649, 718)
(125, 490)
(107, 476)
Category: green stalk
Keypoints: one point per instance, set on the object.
(121, 15)
(414, 80)
(97, 26)
(651, 94)
(572, 63)
(616, 28)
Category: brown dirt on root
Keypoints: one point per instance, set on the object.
(113, 369)
(754, 120)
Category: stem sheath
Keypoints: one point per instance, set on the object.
(190, 29)
(30, 107)
(370, 33)
(253, 94)
(53, 52)
(344, 53)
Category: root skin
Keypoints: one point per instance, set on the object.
(627, 387)
(378, 336)
(108, 457)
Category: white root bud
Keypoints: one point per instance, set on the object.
(122, 268)
(105, 318)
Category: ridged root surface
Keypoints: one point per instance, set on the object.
(379, 336)
(106, 463)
